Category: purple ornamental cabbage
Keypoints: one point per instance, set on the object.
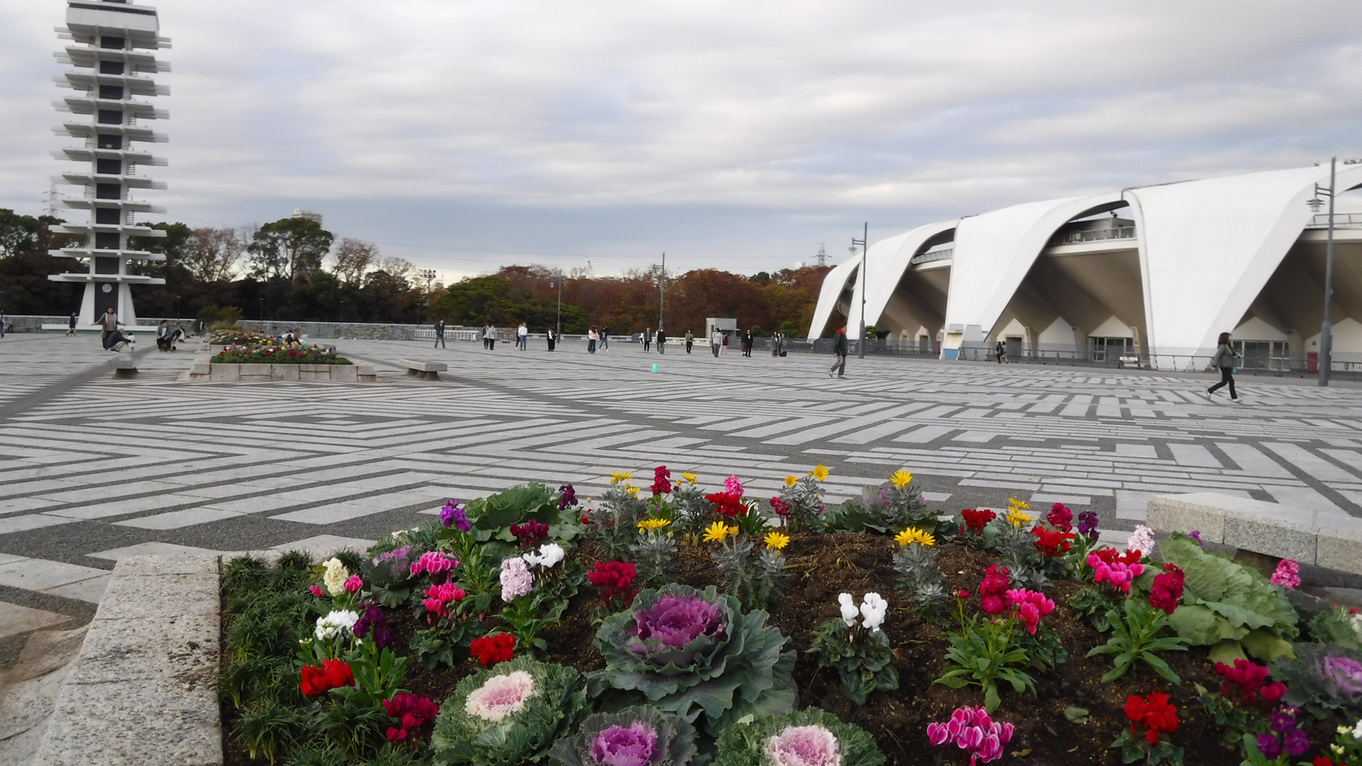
(1345, 672)
(621, 746)
(675, 622)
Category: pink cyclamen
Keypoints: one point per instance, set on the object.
(354, 584)
(1029, 606)
(316, 590)
(432, 562)
(1119, 574)
(972, 730)
(1288, 574)
(438, 597)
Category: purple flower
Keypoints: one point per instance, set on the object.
(453, 514)
(1282, 721)
(803, 746)
(395, 553)
(620, 746)
(569, 496)
(677, 621)
(1195, 534)
(1269, 745)
(373, 620)
(1345, 672)
(1087, 524)
(1297, 742)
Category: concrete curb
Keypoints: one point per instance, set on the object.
(144, 688)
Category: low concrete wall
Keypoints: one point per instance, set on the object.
(259, 373)
(144, 689)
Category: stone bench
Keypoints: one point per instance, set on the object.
(1328, 539)
(124, 366)
(424, 370)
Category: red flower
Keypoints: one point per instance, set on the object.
(661, 480)
(781, 507)
(1109, 556)
(1060, 517)
(489, 650)
(331, 674)
(1321, 761)
(1167, 589)
(728, 504)
(314, 681)
(338, 673)
(613, 579)
(977, 520)
(993, 589)
(412, 712)
(1051, 544)
(1153, 712)
(1245, 683)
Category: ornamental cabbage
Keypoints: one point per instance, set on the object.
(689, 652)
(635, 736)
(809, 737)
(508, 714)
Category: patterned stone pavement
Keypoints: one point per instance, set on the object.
(93, 468)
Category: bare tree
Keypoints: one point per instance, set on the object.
(353, 259)
(396, 267)
(211, 255)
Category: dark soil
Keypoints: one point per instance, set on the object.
(821, 567)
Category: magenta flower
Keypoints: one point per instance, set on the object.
(454, 515)
(621, 746)
(1029, 606)
(972, 730)
(316, 590)
(804, 746)
(677, 621)
(1288, 574)
(433, 563)
(733, 485)
(354, 584)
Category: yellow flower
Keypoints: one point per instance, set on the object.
(776, 540)
(631, 490)
(690, 478)
(1018, 505)
(790, 480)
(1016, 518)
(716, 532)
(652, 525)
(914, 535)
(616, 478)
(819, 472)
(901, 479)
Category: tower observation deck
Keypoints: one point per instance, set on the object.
(112, 58)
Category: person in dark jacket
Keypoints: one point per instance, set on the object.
(661, 341)
(440, 333)
(839, 350)
(1224, 360)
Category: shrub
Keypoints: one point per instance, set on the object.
(797, 737)
(509, 714)
(690, 652)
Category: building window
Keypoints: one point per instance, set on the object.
(111, 67)
(1110, 349)
(111, 92)
(108, 191)
(111, 116)
(115, 43)
(107, 215)
(105, 265)
(107, 141)
(108, 167)
(106, 240)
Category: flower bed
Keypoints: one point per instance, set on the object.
(275, 354)
(673, 625)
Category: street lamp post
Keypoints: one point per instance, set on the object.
(662, 293)
(558, 323)
(1326, 328)
(865, 252)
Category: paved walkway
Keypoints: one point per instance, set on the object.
(93, 468)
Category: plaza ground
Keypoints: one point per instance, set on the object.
(94, 468)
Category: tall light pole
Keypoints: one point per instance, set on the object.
(428, 275)
(558, 325)
(662, 293)
(1326, 328)
(865, 252)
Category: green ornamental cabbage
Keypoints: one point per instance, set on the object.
(1227, 606)
(635, 736)
(511, 713)
(688, 652)
(797, 737)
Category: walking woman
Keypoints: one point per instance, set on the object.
(591, 337)
(1224, 360)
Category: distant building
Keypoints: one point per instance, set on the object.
(1155, 272)
(311, 215)
(113, 63)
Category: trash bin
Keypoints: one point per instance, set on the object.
(1312, 361)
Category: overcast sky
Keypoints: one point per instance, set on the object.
(465, 135)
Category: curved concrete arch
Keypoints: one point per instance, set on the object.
(886, 269)
(995, 250)
(834, 283)
(1207, 248)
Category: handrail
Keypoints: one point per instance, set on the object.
(1092, 235)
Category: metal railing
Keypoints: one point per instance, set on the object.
(1092, 235)
(933, 255)
(1341, 221)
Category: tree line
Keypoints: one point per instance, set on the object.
(294, 269)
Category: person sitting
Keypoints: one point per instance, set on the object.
(163, 342)
(117, 341)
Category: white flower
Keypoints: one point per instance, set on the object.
(335, 577)
(335, 623)
(1142, 540)
(1357, 730)
(548, 556)
(849, 610)
(873, 609)
(500, 696)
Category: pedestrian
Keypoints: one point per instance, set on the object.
(71, 324)
(163, 336)
(605, 339)
(716, 342)
(661, 341)
(552, 338)
(591, 338)
(485, 337)
(647, 339)
(839, 350)
(522, 337)
(2, 323)
(1225, 360)
(109, 323)
(775, 344)
(440, 333)
(747, 343)
(491, 337)
(690, 341)
(1000, 352)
